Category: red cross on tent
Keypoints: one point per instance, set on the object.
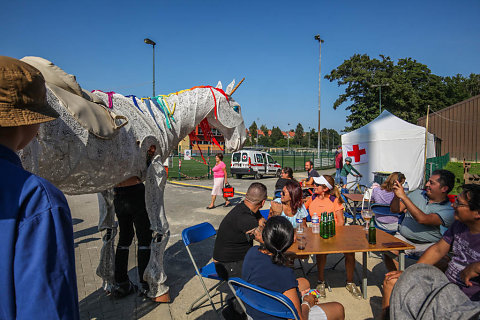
(358, 152)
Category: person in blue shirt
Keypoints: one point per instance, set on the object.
(37, 262)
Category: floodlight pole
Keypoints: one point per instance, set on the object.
(148, 41)
(320, 41)
(380, 93)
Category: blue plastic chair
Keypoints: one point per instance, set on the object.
(196, 234)
(264, 213)
(266, 301)
(383, 210)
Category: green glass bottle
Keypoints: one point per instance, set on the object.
(325, 226)
(372, 231)
(331, 224)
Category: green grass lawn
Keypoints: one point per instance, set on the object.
(457, 169)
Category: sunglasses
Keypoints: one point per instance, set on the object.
(457, 204)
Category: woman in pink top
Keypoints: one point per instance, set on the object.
(219, 180)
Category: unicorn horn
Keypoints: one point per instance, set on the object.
(236, 87)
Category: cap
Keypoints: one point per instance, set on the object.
(348, 159)
(321, 180)
(23, 96)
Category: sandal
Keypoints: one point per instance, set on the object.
(227, 204)
(210, 207)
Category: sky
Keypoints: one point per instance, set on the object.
(270, 43)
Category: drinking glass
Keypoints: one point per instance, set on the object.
(367, 215)
(301, 241)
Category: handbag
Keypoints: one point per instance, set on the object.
(228, 191)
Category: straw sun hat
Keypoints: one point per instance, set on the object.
(23, 99)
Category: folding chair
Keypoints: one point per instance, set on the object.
(383, 210)
(265, 213)
(196, 234)
(266, 301)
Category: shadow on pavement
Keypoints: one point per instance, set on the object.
(179, 267)
(100, 306)
(85, 232)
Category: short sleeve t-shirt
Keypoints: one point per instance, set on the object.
(381, 196)
(258, 269)
(412, 230)
(466, 250)
(232, 242)
(218, 170)
(301, 213)
(323, 205)
(313, 173)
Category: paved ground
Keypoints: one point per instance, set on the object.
(186, 206)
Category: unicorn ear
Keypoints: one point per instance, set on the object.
(219, 85)
(230, 87)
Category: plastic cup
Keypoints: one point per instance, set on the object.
(301, 242)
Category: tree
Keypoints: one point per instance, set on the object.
(298, 134)
(276, 135)
(264, 141)
(407, 87)
(253, 132)
(264, 129)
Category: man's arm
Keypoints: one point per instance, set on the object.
(435, 253)
(45, 280)
(417, 214)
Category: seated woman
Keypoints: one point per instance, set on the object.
(265, 267)
(290, 205)
(327, 199)
(285, 175)
(384, 194)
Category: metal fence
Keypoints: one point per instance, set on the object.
(436, 163)
(200, 168)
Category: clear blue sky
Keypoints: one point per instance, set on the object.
(271, 43)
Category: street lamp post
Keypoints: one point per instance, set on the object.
(148, 41)
(320, 41)
(288, 138)
(309, 133)
(380, 93)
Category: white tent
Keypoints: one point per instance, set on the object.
(388, 144)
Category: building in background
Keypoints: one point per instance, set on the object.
(204, 144)
(457, 127)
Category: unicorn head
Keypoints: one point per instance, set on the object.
(229, 120)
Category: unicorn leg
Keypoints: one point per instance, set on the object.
(106, 265)
(154, 189)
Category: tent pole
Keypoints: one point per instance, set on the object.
(426, 142)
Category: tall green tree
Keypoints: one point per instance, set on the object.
(276, 135)
(407, 88)
(253, 132)
(298, 134)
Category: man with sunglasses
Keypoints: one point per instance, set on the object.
(426, 212)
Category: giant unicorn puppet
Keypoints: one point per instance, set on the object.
(79, 162)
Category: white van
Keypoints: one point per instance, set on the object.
(252, 162)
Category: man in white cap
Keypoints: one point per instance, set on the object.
(37, 261)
